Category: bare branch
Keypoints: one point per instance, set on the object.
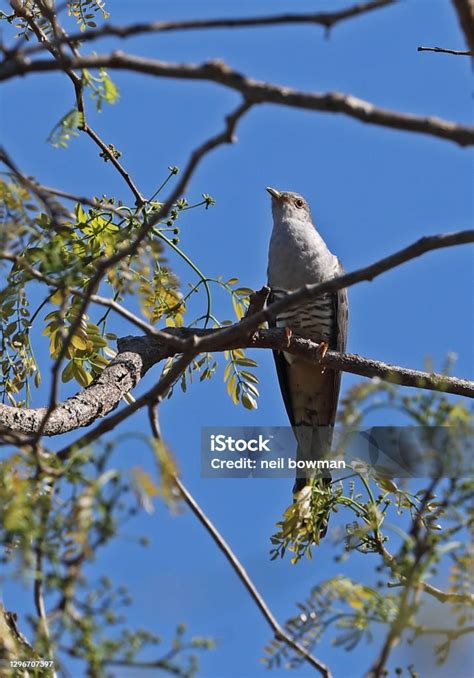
(60, 56)
(441, 596)
(448, 596)
(139, 354)
(308, 292)
(325, 19)
(444, 51)
(253, 90)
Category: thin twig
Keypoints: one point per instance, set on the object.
(411, 582)
(239, 569)
(465, 12)
(444, 50)
(451, 634)
(325, 19)
(61, 58)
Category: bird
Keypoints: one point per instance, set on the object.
(298, 256)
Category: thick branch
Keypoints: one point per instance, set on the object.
(13, 644)
(253, 90)
(134, 360)
(138, 354)
(103, 264)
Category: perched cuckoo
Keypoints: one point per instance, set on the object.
(299, 256)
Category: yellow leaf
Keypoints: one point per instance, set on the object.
(231, 384)
(227, 371)
(248, 402)
(143, 479)
(82, 377)
(238, 309)
(68, 372)
(79, 342)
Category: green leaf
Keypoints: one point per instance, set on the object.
(231, 385)
(68, 372)
(246, 362)
(227, 371)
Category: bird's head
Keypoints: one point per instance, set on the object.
(287, 205)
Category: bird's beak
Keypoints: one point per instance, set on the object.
(273, 192)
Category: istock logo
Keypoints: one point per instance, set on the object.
(222, 443)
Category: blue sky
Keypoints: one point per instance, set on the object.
(372, 191)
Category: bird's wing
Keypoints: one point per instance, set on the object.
(302, 382)
(341, 313)
(282, 372)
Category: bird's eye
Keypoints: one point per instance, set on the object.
(299, 203)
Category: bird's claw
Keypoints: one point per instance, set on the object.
(321, 352)
(288, 335)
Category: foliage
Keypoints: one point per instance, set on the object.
(56, 515)
(431, 529)
(67, 128)
(341, 604)
(85, 12)
(68, 517)
(61, 249)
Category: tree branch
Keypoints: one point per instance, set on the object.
(138, 354)
(325, 19)
(419, 558)
(103, 264)
(239, 569)
(56, 50)
(444, 51)
(451, 634)
(308, 292)
(253, 90)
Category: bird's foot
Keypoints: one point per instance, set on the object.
(321, 352)
(288, 335)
